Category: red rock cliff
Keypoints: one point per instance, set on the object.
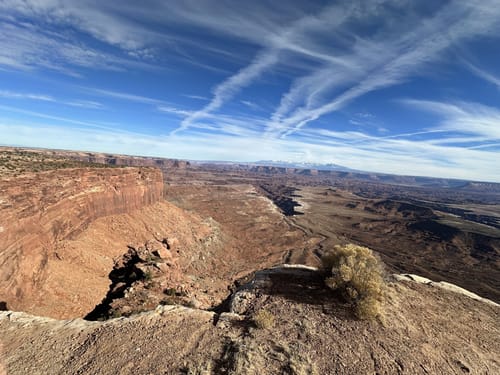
(126, 160)
(40, 209)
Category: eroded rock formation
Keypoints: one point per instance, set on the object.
(38, 210)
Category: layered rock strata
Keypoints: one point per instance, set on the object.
(38, 210)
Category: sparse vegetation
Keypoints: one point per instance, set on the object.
(301, 365)
(263, 319)
(147, 276)
(358, 273)
(14, 162)
(152, 259)
(242, 358)
(198, 369)
(170, 292)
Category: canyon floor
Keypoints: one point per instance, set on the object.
(127, 270)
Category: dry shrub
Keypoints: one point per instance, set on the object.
(198, 369)
(263, 319)
(240, 358)
(358, 273)
(301, 365)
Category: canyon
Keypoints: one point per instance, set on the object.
(64, 232)
(106, 258)
(43, 214)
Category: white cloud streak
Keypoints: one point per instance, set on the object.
(56, 118)
(227, 89)
(291, 39)
(197, 97)
(484, 75)
(18, 95)
(474, 119)
(89, 104)
(123, 96)
(385, 62)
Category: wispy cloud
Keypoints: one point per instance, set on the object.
(158, 104)
(251, 105)
(175, 111)
(102, 22)
(215, 123)
(484, 74)
(123, 96)
(382, 62)
(90, 104)
(227, 89)
(56, 118)
(464, 118)
(198, 97)
(26, 46)
(19, 95)
(290, 38)
(140, 31)
(366, 120)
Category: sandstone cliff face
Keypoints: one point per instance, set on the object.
(39, 210)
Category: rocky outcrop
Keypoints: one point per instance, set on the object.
(286, 279)
(143, 278)
(427, 330)
(38, 210)
(443, 285)
(123, 160)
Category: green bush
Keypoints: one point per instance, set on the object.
(358, 273)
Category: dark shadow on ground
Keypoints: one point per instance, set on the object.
(122, 277)
(298, 285)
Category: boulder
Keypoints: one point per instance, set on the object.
(171, 242)
(163, 253)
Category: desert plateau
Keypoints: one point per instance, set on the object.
(115, 264)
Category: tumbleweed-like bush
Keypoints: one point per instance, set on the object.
(263, 319)
(358, 274)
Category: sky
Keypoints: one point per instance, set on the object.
(391, 86)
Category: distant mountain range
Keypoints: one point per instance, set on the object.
(304, 165)
(332, 170)
(281, 164)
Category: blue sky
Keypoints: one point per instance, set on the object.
(395, 86)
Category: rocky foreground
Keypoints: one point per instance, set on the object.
(306, 330)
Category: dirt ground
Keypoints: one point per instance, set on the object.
(426, 330)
